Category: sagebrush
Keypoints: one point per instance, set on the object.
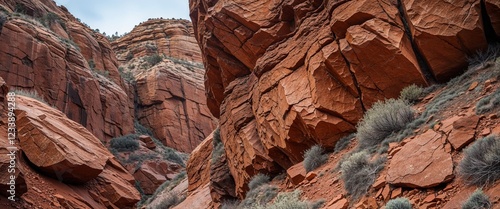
(399, 203)
(383, 119)
(481, 162)
(314, 157)
(477, 200)
(358, 173)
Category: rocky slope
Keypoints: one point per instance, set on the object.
(170, 97)
(284, 75)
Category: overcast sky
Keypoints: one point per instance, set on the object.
(120, 16)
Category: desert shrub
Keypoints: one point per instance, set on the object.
(48, 19)
(383, 119)
(172, 156)
(140, 129)
(258, 180)
(411, 93)
(170, 201)
(127, 143)
(153, 59)
(288, 200)
(29, 93)
(482, 58)
(91, 64)
(218, 147)
(358, 174)
(129, 56)
(127, 76)
(477, 200)
(398, 203)
(488, 103)
(259, 196)
(481, 162)
(343, 142)
(104, 73)
(3, 19)
(314, 157)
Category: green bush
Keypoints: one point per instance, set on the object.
(399, 203)
(127, 143)
(477, 200)
(481, 162)
(48, 19)
(258, 180)
(343, 142)
(383, 119)
(358, 174)
(153, 59)
(314, 157)
(411, 93)
(142, 130)
(129, 56)
(172, 156)
(288, 200)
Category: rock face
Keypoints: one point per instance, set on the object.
(174, 38)
(58, 150)
(221, 182)
(285, 75)
(152, 174)
(57, 145)
(198, 165)
(170, 95)
(54, 61)
(421, 163)
(171, 102)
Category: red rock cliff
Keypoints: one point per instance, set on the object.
(45, 49)
(170, 96)
(283, 75)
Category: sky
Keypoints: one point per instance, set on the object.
(121, 16)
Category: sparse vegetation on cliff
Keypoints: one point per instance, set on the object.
(358, 173)
(218, 147)
(399, 203)
(258, 180)
(383, 119)
(314, 157)
(411, 93)
(477, 200)
(153, 59)
(480, 163)
(127, 143)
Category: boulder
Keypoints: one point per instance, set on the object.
(57, 145)
(198, 164)
(150, 144)
(421, 163)
(152, 173)
(296, 173)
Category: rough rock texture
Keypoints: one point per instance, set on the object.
(493, 10)
(284, 75)
(53, 61)
(64, 151)
(199, 199)
(296, 173)
(170, 96)
(221, 182)
(198, 165)
(460, 130)
(174, 38)
(171, 102)
(57, 145)
(152, 174)
(421, 163)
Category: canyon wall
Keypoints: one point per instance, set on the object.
(284, 75)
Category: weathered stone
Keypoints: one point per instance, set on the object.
(152, 173)
(150, 144)
(222, 187)
(463, 131)
(198, 165)
(421, 163)
(57, 145)
(296, 173)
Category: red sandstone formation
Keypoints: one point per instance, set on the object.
(170, 95)
(54, 61)
(285, 75)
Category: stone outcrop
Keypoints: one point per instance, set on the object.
(421, 163)
(171, 102)
(63, 164)
(76, 156)
(284, 75)
(221, 182)
(170, 96)
(152, 173)
(198, 165)
(54, 60)
(171, 37)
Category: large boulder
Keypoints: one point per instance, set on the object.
(57, 145)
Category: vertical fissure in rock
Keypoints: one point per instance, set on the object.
(489, 32)
(425, 68)
(356, 84)
(186, 118)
